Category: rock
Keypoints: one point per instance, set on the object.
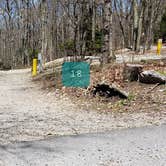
(152, 77)
(105, 90)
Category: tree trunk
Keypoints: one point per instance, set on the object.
(107, 45)
(139, 33)
(93, 20)
(149, 39)
(44, 42)
(135, 22)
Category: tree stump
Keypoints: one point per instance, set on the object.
(132, 71)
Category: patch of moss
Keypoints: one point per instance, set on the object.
(162, 72)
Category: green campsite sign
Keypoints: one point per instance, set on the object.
(76, 74)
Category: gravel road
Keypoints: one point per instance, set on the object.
(126, 57)
(130, 147)
(27, 113)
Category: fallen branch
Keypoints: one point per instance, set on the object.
(154, 87)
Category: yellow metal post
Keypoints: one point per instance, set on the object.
(159, 46)
(34, 68)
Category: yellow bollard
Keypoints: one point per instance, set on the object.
(34, 69)
(159, 46)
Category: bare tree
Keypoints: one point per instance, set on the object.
(75, 28)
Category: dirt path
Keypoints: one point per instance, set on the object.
(27, 113)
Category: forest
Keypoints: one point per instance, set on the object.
(72, 28)
(82, 82)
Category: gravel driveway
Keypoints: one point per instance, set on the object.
(145, 146)
(28, 113)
